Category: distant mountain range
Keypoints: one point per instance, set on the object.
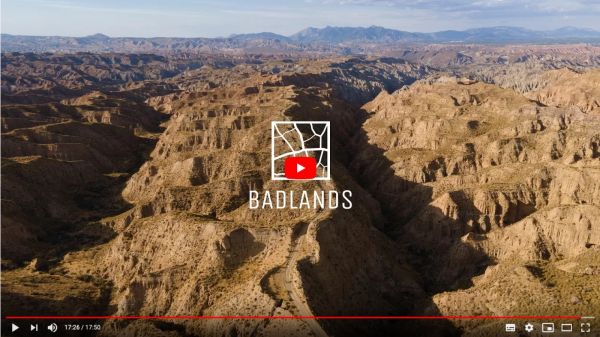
(476, 35)
(328, 39)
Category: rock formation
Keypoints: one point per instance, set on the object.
(126, 179)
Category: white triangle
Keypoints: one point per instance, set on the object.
(299, 168)
(14, 327)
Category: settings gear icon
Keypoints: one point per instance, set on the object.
(529, 327)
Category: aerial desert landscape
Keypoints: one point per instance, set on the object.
(127, 166)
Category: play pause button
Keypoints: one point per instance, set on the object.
(300, 168)
(32, 327)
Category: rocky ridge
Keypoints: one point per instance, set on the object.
(498, 182)
(188, 175)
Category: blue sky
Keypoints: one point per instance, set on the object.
(195, 18)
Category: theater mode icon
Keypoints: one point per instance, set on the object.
(566, 327)
(300, 150)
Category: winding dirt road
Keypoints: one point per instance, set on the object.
(295, 295)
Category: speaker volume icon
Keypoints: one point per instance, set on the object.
(53, 327)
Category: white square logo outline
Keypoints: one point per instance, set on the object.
(328, 149)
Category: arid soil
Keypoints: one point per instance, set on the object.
(476, 191)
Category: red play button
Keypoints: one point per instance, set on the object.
(300, 167)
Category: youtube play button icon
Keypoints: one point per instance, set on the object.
(300, 168)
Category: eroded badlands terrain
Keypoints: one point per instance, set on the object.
(476, 191)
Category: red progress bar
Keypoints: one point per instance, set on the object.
(296, 317)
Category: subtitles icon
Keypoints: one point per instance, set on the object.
(510, 327)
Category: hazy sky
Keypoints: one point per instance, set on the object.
(194, 18)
